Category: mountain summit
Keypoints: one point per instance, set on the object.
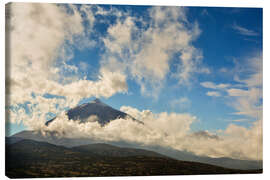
(96, 101)
(102, 111)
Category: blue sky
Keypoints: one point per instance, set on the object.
(205, 62)
(221, 44)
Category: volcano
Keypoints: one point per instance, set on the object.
(103, 113)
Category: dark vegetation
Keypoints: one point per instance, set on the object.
(30, 159)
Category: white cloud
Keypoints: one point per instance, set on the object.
(218, 87)
(204, 12)
(213, 93)
(245, 95)
(244, 31)
(212, 85)
(168, 130)
(146, 53)
(83, 66)
(151, 132)
(238, 120)
(181, 103)
(254, 69)
(248, 101)
(36, 33)
(223, 70)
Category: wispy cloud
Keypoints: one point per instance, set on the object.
(245, 95)
(211, 85)
(244, 31)
(223, 70)
(216, 87)
(248, 100)
(205, 12)
(181, 103)
(238, 120)
(213, 93)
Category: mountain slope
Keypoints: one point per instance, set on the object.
(114, 151)
(28, 158)
(35, 149)
(12, 140)
(53, 139)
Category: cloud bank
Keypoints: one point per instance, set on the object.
(168, 130)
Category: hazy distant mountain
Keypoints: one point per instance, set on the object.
(222, 161)
(28, 158)
(104, 113)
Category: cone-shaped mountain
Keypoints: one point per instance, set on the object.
(102, 111)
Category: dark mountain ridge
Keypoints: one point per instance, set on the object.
(28, 159)
(114, 151)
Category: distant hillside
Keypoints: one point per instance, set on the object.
(52, 138)
(113, 151)
(28, 159)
